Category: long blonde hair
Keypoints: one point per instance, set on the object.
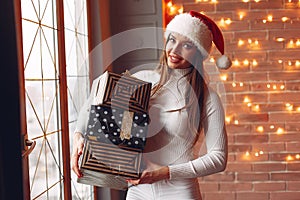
(195, 104)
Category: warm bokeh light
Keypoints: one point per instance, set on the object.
(260, 129)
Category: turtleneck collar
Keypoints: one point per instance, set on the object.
(180, 72)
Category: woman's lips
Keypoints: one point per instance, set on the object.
(174, 59)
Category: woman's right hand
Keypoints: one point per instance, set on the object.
(78, 144)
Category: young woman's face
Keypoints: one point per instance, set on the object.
(180, 51)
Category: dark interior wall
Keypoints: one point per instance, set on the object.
(10, 142)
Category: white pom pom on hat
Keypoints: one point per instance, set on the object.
(201, 30)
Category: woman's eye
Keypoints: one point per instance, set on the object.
(172, 40)
(187, 46)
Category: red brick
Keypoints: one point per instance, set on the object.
(252, 157)
(293, 166)
(285, 97)
(252, 195)
(240, 128)
(293, 185)
(253, 97)
(254, 138)
(293, 146)
(252, 176)
(284, 54)
(259, 35)
(271, 107)
(288, 176)
(207, 187)
(283, 34)
(284, 117)
(238, 167)
(267, 66)
(269, 147)
(203, 7)
(226, 6)
(275, 4)
(236, 186)
(218, 196)
(253, 15)
(220, 177)
(280, 76)
(252, 118)
(285, 195)
(294, 25)
(243, 77)
(293, 86)
(281, 157)
(260, 25)
(285, 137)
(238, 148)
(267, 167)
(269, 186)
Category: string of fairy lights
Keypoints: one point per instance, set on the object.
(255, 44)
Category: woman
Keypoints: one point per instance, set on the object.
(181, 107)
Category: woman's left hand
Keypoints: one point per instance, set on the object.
(151, 176)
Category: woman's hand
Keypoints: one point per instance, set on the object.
(76, 153)
(151, 176)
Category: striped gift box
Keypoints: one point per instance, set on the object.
(116, 132)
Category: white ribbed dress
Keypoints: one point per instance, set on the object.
(170, 142)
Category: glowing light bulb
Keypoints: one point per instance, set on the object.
(241, 42)
(256, 108)
(236, 62)
(223, 77)
(297, 156)
(247, 153)
(297, 63)
(298, 42)
(260, 129)
(270, 18)
(228, 21)
(249, 104)
(274, 87)
(241, 84)
(280, 61)
(254, 63)
(241, 15)
(289, 158)
(246, 100)
(272, 126)
(279, 39)
(233, 84)
(261, 152)
(236, 121)
(246, 62)
(268, 86)
(284, 19)
(280, 131)
(256, 154)
(228, 119)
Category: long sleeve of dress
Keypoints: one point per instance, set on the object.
(216, 144)
(83, 115)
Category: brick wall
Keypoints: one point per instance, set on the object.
(261, 96)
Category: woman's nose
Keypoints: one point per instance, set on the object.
(176, 49)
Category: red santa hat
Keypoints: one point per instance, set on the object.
(202, 31)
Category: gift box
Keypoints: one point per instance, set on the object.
(116, 132)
